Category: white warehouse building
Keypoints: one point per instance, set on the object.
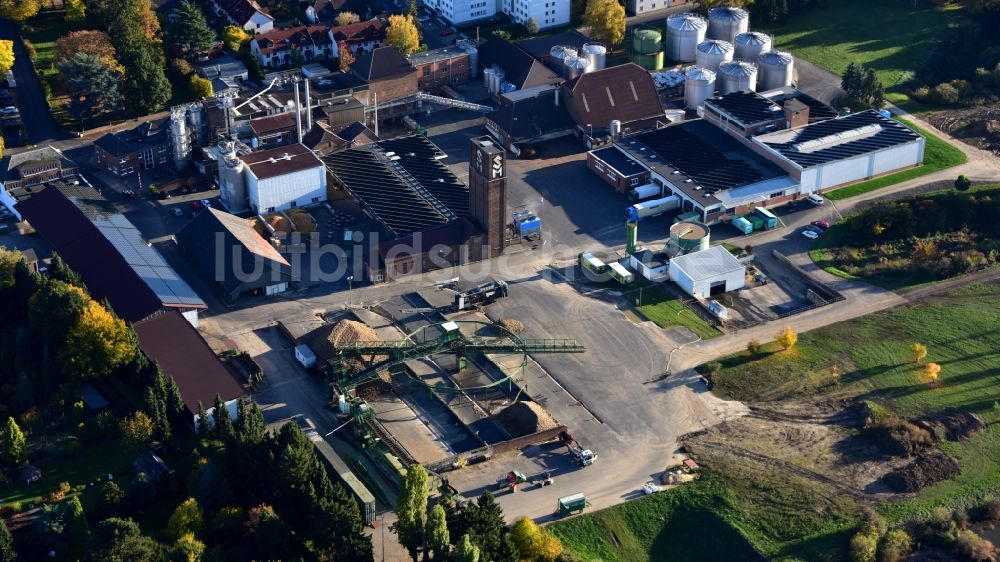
(835, 152)
(283, 178)
(708, 272)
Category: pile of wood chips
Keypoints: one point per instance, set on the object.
(525, 418)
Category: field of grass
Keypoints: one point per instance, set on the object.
(722, 516)
(938, 155)
(660, 306)
(87, 466)
(873, 358)
(42, 31)
(891, 37)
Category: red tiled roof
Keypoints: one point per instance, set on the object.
(282, 160)
(624, 92)
(371, 30)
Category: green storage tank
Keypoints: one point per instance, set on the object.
(647, 49)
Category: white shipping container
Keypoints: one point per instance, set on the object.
(645, 192)
(656, 206)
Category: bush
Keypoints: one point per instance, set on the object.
(973, 547)
(895, 546)
(993, 509)
(900, 437)
(863, 547)
(182, 67)
(753, 347)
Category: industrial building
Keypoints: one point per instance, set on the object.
(835, 152)
(283, 178)
(747, 113)
(144, 147)
(31, 167)
(429, 218)
(236, 259)
(441, 67)
(636, 7)
(624, 93)
(390, 78)
(107, 251)
(527, 116)
(653, 266)
(707, 273)
(225, 73)
(617, 169)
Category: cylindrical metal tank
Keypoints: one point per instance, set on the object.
(595, 53)
(558, 56)
(179, 138)
(684, 32)
(647, 49)
(713, 52)
(195, 116)
(751, 44)
(726, 23)
(575, 67)
(735, 76)
(689, 236)
(699, 85)
(498, 76)
(776, 69)
(470, 48)
(488, 78)
(615, 128)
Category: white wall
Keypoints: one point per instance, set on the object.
(702, 289)
(547, 13)
(463, 11)
(191, 316)
(259, 23)
(862, 167)
(281, 192)
(230, 407)
(8, 201)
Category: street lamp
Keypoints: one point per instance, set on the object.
(350, 302)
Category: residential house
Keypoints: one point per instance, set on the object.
(144, 147)
(293, 46)
(246, 14)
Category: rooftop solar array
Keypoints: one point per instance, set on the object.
(395, 200)
(701, 152)
(747, 107)
(422, 160)
(839, 139)
(142, 257)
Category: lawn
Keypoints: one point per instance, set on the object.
(87, 466)
(722, 516)
(662, 307)
(42, 31)
(873, 358)
(938, 155)
(890, 36)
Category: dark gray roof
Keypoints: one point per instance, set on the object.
(540, 47)
(148, 134)
(107, 250)
(224, 67)
(838, 139)
(401, 192)
(621, 162)
(532, 117)
(520, 68)
(382, 63)
(422, 160)
(699, 151)
(746, 107)
(12, 162)
(212, 229)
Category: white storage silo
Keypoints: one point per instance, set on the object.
(736, 76)
(488, 79)
(713, 52)
(684, 32)
(699, 85)
(751, 44)
(575, 67)
(776, 69)
(616, 128)
(726, 23)
(179, 138)
(558, 56)
(470, 48)
(498, 76)
(595, 53)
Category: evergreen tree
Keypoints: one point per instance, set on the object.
(59, 270)
(466, 550)
(851, 80)
(158, 412)
(337, 530)
(222, 424)
(411, 510)
(488, 530)
(438, 538)
(13, 443)
(25, 397)
(77, 528)
(204, 424)
(175, 402)
(873, 93)
(253, 430)
(7, 552)
(93, 86)
(146, 86)
(189, 29)
(112, 500)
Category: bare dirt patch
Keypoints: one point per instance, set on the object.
(977, 126)
(952, 424)
(930, 467)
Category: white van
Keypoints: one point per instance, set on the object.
(815, 199)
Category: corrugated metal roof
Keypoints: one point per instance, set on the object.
(839, 139)
(707, 264)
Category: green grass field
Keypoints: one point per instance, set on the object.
(722, 516)
(660, 306)
(83, 468)
(872, 354)
(890, 36)
(42, 31)
(938, 155)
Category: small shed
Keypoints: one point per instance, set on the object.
(305, 356)
(708, 272)
(92, 399)
(31, 473)
(650, 265)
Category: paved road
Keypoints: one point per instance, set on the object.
(38, 121)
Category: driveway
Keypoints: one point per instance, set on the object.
(39, 124)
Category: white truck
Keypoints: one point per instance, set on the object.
(585, 457)
(655, 207)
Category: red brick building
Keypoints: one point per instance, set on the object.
(145, 147)
(390, 78)
(448, 65)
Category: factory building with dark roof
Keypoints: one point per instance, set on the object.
(422, 207)
(835, 152)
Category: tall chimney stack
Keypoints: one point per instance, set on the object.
(298, 111)
(309, 118)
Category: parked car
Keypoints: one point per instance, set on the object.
(816, 199)
(810, 234)
(197, 205)
(177, 212)
(8, 110)
(760, 279)
(206, 203)
(814, 228)
(820, 224)
(446, 32)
